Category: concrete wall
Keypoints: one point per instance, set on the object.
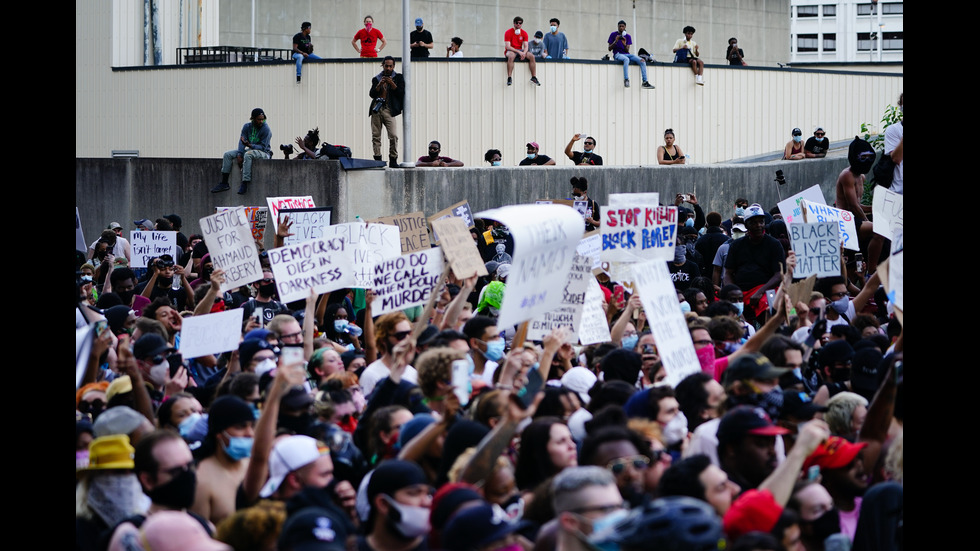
(123, 190)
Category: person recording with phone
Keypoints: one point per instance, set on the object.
(586, 157)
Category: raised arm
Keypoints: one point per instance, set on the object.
(308, 319)
(575, 138)
(780, 482)
(217, 278)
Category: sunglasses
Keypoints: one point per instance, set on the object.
(617, 466)
(401, 335)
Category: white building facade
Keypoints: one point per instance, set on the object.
(846, 31)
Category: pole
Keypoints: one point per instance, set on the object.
(407, 75)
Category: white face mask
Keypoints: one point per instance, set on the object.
(265, 366)
(158, 373)
(414, 521)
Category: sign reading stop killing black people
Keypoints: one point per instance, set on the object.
(405, 281)
(228, 235)
(323, 265)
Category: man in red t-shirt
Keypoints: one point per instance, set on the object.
(515, 45)
(369, 36)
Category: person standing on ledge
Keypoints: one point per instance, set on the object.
(387, 98)
(252, 144)
(303, 48)
(587, 157)
(369, 37)
(421, 40)
(686, 51)
(735, 55)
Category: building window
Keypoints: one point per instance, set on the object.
(893, 41)
(830, 10)
(807, 11)
(806, 43)
(891, 8)
(830, 42)
(864, 42)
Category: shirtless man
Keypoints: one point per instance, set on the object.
(850, 188)
(227, 448)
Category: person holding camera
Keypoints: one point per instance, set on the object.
(169, 280)
(669, 153)
(254, 143)
(387, 97)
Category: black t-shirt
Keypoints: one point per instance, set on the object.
(303, 43)
(682, 275)
(752, 264)
(178, 298)
(538, 160)
(590, 158)
(420, 36)
(815, 146)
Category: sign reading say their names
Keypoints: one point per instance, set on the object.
(817, 248)
(569, 314)
(459, 247)
(815, 212)
(888, 210)
(545, 237)
(211, 333)
(412, 230)
(228, 235)
(298, 202)
(306, 223)
(323, 265)
(659, 298)
(365, 244)
(147, 245)
(405, 281)
(638, 233)
(594, 327)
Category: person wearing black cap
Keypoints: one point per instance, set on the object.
(398, 494)
(747, 445)
(817, 145)
(794, 148)
(254, 143)
(753, 263)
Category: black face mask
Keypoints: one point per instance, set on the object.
(268, 290)
(165, 281)
(824, 526)
(178, 493)
(300, 424)
(126, 296)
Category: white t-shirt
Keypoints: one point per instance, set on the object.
(893, 135)
(378, 370)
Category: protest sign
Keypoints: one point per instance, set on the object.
(591, 246)
(365, 244)
(405, 281)
(323, 265)
(307, 224)
(637, 233)
(459, 210)
(228, 236)
(211, 333)
(666, 321)
(815, 212)
(593, 328)
(412, 230)
(545, 237)
(569, 313)
(79, 238)
(147, 245)
(887, 209)
(896, 269)
(817, 249)
(459, 248)
(790, 208)
(566, 202)
(299, 202)
(257, 218)
(633, 199)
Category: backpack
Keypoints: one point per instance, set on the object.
(884, 171)
(335, 151)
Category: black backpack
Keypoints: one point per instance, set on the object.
(335, 151)
(884, 171)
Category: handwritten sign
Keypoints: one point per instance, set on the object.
(594, 327)
(459, 247)
(365, 244)
(459, 210)
(591, 247)
(323, 265)
(666, 321)
(79, 238)
(412, 230)
(405, 281)
(228, 236)
(633, 199)
(896, 269)
(638, 233)
(569, 314)
(148, 245)
(887, 208)
(817, 249)
(545, 237)
(307, 223)
(815, 212)
(258, 218)
(211, 333)
(299, 202)
(790, 207)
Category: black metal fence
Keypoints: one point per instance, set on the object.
(231, 54)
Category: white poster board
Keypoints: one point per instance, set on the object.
(307, 224)
(659, 298)
(887, 210)
(569, 313)
(594, 328)
(638, 233)
(633, 199)
(405, 281)
(790, 208)
(896, 269)
(80, 244)
(323, 265)
(817, 248)
(147, 245)
(297, 202)
(591, 247)
(228, 235)
(365, 244)
(815, 212)
(211, 333)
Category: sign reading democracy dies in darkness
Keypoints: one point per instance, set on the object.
(638, 233)
(545, 237)
(307, 224)
(569, 314)
(405, 281)
(228, 235)
(817, 248)
(323, 265)
(659, 298)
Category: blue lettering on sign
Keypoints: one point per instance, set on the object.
(659, 237)
(530, 301)
(625, 239)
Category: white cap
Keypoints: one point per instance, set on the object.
(289, 454)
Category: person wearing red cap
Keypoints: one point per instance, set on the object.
(843, 475)
(533, 158)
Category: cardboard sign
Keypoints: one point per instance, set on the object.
(666, 321)
(405, 281)
(79, 237)
(228, 235)
(148, 245)
(638, 233)
(258, 218)
(815, 212)
(412, 230)
(817, 249)
(307, 223)
(323, 265)
(887, 210)
(569, 314)
(365, 244)
(594, 327)
(300, 202)
(545, 237)
(458, 245)
(459, 210)
(790, 207)
(211, 333)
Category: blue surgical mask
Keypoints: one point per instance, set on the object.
(840, 306)
(239, 447)
(740, 306)
(689, 222)
(532, 156)
(495, 163)
(187, 425)
(340, 325)
(740, 212)
(470, 365)
(629, 343)
(605, 527)
(797, 139)
(685, 307)
(554, 28)
(495, 350)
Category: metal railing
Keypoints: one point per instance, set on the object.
(230, 54)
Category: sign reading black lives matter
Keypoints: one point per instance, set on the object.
(228, 235)
(307, 223)
(405, 281)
